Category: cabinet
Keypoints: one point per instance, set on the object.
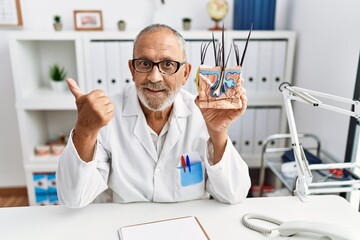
(99, 60)
(43, 113)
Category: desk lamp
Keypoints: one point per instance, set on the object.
(304, 182)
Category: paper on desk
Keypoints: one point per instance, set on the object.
(185, 228)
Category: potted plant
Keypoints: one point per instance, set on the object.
(186, 23)
(57, 76)
(121, 25)
(57, 23)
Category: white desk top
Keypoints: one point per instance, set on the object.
(221, 221)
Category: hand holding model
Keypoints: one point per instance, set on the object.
(219, 120)
(94, 112)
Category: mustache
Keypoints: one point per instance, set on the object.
(155, 86)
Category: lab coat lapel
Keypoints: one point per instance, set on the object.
(177, 125)
(141, 130)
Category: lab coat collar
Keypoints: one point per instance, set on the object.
(177, 124)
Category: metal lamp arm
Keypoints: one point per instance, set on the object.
(303, 95)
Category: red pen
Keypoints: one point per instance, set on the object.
(183, 164)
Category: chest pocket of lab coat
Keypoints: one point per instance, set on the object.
(190, 182)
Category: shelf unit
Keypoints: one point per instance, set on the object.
(43, 113)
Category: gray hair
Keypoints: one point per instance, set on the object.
(158, 26)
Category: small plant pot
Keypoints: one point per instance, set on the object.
(58, 86)
(121, 26)
(58, 26)
(186, 25)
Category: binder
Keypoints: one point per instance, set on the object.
(238, 14)
(195, 59)
(234, 133)
(247, 132)
(264, 17)
(40, 183)
(259, 12)
(278, 65)
(183, 228)
(271, 15)
(250, 66)
(51, 183)
(188, 86)
(241, 46)
(113, 65)
(98, 66)
(126, 51)
(249, 14)
(261, 128)
(264, 67)
(267, 122)
(273, 123)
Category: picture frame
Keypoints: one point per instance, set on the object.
(88, 20)
(10, 14)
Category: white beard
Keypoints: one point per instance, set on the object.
(157, 106)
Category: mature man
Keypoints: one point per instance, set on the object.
(151, 142)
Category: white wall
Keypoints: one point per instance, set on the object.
(328, 47)
(327, 53)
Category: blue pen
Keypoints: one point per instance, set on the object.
(188, 162)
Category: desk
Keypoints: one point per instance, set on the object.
(221, 221)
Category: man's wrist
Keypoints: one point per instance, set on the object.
(218, 139)
(84, 134)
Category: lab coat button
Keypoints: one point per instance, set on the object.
(157, 171)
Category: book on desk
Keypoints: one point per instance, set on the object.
(184, 228)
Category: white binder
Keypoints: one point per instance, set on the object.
(261, 128)
(264, 67)
(195, 59)
(247, 132)
(250, 65)
(188, 86)
(273, 124)
(234, 132)
(241, 46)
(98, 66)
(278, 65)
(126, 51)
(113, 65)
(267, 122)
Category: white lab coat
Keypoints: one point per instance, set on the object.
(126, 160)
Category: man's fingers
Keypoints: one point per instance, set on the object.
(74, 88)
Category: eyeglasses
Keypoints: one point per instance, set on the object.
(165, 67)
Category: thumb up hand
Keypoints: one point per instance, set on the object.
(74, 88)
(94, 110)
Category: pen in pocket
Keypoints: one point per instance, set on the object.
(183, 164)
(188, 162)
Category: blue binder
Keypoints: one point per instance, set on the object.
(259, 12)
